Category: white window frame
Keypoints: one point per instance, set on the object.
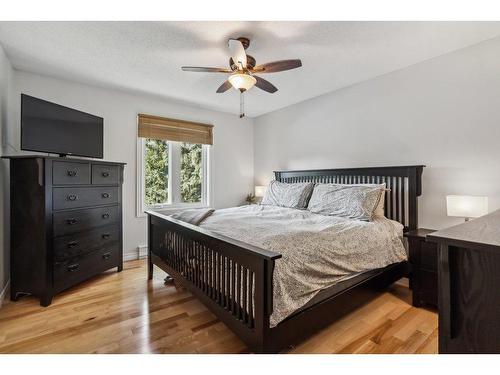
(174, 202)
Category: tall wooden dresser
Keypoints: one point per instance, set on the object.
(469, 286)
(66, 222)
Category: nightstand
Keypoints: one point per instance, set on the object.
(423, 260)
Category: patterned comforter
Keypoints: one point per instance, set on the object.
(318, 251)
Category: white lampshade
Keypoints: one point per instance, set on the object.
(260, 191)
(242, 81)
(466, 206)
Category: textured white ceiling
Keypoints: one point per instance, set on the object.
(146, 57)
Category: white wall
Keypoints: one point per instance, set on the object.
(232, 152)
(443, 113)
(5, 117)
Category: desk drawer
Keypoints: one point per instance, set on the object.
(70, 173)
(75, 197)
(72, 271)
(68, 222)
(103, 174)
(85, 242)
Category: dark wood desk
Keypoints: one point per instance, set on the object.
(469, 286)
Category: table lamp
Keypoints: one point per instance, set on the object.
(466, 206)
(260, 191)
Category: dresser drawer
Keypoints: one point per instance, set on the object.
(75, 197)
(105, 174)
(85, 242)
(428, 256)
(70, 173)
(72, 271)
(68, 222)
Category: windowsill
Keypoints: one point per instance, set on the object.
(172, 209)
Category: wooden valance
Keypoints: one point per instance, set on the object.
(174, 130)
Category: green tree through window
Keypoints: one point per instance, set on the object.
(187, 172)
(191, 165)
(156, 171)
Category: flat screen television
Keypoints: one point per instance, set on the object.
(53, 128)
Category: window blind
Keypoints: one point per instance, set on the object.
(174, 130)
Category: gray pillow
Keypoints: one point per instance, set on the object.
(295, 195)
(350, 201)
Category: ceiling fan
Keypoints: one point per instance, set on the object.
(242, 70)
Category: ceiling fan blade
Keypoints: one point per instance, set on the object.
(205, 70)
(265, 85)
(237, 53)
(277, 66)
(224, 87)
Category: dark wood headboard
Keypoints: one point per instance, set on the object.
(404, 186)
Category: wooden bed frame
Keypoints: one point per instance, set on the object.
(235, 279)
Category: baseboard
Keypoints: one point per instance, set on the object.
(130, 256)
(140, 253)
(4, 292)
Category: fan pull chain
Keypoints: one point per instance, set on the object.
(242, 104)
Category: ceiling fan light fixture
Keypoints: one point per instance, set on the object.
(241, 68)
(242, 81)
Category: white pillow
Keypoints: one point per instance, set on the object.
(294, 195)
(356, 201)
(379, 210)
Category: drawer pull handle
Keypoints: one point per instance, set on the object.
(72, 221)
(105, 195)
(105, 174)
(71, 173)
(106, 256)
(105, 216)
(72, 197)
(73, 267)
(105, 236)
(72, 244)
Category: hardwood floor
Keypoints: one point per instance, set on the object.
(123, 313)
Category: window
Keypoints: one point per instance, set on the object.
(171, 173)
(155, 172)
(191, 172)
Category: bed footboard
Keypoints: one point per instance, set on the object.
(233, 279)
